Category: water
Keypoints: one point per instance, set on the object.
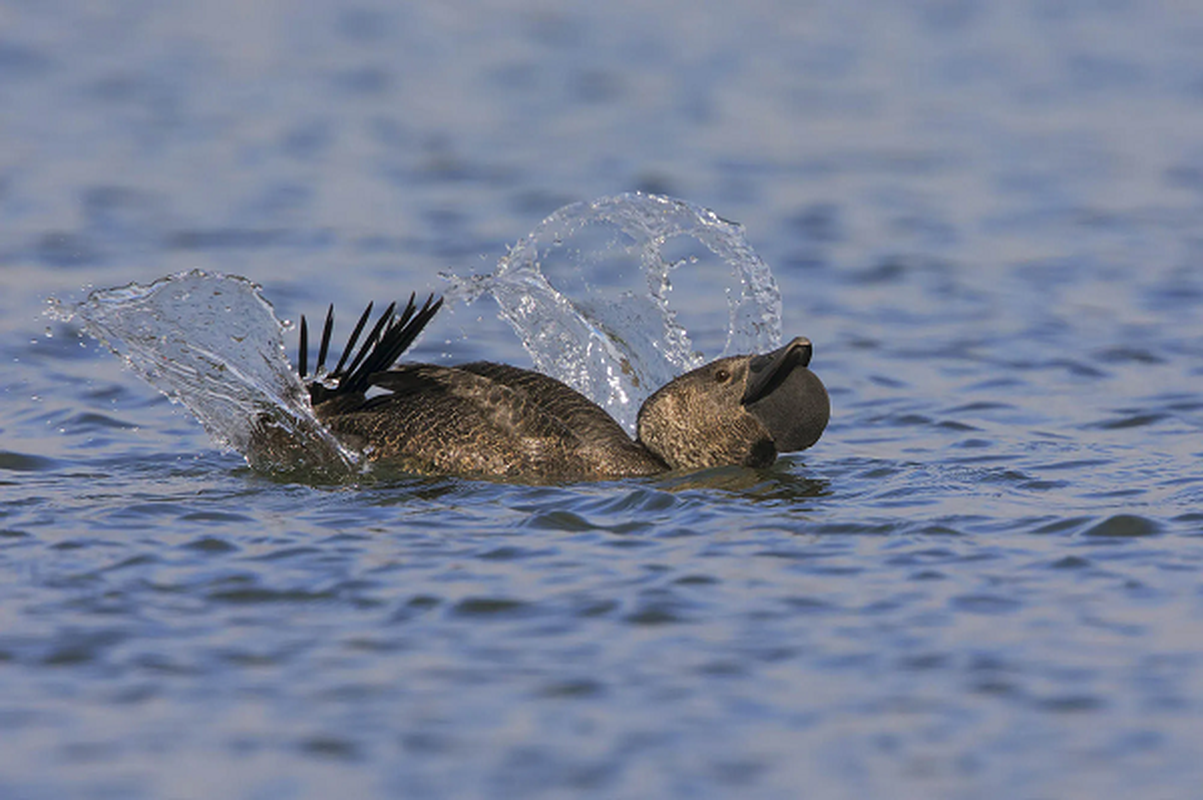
(588, 294)
(212, 343)
(984, 581)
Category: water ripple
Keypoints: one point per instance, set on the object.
(983, 582)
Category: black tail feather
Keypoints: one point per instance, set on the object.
(389, 338)
(327, 329)
(350, 348)
(370, 343)
(303, 349)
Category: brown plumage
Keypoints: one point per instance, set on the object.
(503, 422)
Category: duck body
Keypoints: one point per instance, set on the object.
(502, 422)
(489, 420)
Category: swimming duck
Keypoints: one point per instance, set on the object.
(502, 422)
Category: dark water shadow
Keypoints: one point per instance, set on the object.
(780, 484)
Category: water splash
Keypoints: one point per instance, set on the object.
(211, 342)
(605, 329)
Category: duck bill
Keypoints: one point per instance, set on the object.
(788, 399)
(767, 371)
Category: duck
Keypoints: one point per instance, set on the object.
(494, 421)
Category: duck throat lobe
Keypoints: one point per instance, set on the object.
(795, 412)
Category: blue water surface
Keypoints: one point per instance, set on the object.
(986, 580)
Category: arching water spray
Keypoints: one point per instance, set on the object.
(213, 343)
(617, 344)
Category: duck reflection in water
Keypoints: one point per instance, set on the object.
(502, 422)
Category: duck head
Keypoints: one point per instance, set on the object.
(737, 410)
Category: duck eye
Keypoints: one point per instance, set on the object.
(721, 375)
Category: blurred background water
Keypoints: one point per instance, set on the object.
(985, 580)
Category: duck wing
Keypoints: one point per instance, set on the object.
(604, 443)
(563, 402)
(445, 420)
(489, 420)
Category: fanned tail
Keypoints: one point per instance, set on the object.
(389, 338)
